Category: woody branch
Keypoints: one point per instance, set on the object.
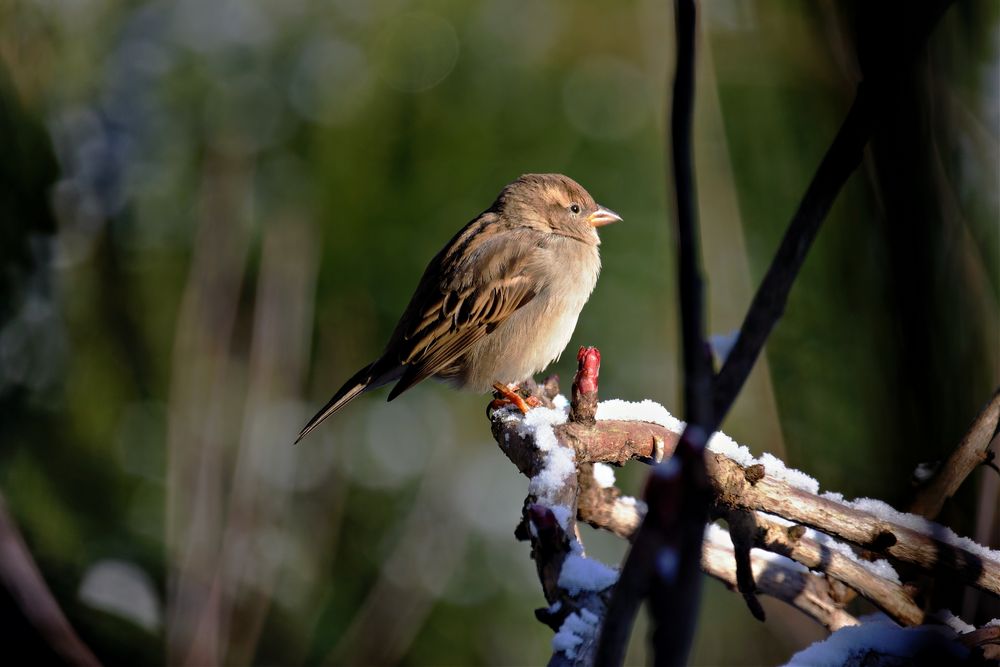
(749, 493)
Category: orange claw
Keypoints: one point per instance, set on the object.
(511, 396)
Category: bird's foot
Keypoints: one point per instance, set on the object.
(507, 395)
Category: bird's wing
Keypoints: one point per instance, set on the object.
(469, 303)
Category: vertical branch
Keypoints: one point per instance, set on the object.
(675, 592)
(664, 561)
(697, 368)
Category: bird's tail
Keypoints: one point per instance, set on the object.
(359, 383)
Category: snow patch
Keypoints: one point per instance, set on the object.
(720, 443)
(945, 617)
(879, 634)
(643, 411)
(577, 627)
(585, 574)
(604, 475)
(558, 462)
(923, 526)
(563, 515)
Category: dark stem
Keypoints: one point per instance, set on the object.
(768, 305)
(743, 531)
(842, 158)
(697, 359)
(678, 502)
(664, 561)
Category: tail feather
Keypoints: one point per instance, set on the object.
(359, 383)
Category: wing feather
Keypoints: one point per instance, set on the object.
(487, 272)
(476, 313)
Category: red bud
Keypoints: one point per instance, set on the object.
(589, 368)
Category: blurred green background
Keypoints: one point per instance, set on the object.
(214, 212)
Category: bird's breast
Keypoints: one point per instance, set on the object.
(569, 292)
(534, 336)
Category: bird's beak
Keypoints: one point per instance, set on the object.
(603, 216)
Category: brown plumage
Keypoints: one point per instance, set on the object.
(500, 301)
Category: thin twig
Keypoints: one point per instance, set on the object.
(987, 639)
(811, 594)
(807, 592)
(20, 576)
(862, 528)
(607, 509)
(970, 453)
(790, 542)
(616, 441)
(743, 532)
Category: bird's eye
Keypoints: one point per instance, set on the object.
(575, 208)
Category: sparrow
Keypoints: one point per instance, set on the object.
(500, 301)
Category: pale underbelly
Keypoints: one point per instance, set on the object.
(525, 344)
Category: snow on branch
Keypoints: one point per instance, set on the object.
(879, 642)
(867, 523)
(797, 544)
(576, 588)
(776, 577)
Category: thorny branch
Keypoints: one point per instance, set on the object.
(750, 498)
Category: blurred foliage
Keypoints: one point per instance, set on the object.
(212, 213)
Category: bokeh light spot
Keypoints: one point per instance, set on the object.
(331, 82)
(607, 98)
(417, 51)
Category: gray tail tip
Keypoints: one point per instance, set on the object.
(306, 431)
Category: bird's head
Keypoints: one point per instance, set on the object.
(556, 204)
